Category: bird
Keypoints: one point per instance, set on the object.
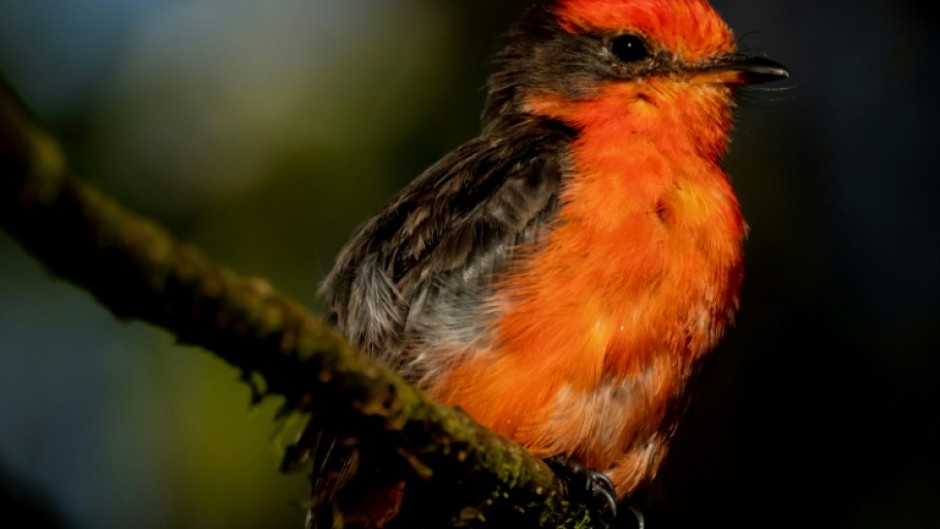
(562, 276)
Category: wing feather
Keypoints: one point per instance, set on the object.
(412, 280)
(419, 269)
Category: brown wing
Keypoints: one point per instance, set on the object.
(416, 272)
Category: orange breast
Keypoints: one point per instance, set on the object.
(595, 334)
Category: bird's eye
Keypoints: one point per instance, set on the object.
(629, 48)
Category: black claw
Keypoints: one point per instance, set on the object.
(603, 488)
(586, 485)
(638, 516)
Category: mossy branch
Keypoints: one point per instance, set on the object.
(138, 271)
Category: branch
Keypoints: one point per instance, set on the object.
(138, 271)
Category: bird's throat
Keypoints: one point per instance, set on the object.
(674, 116)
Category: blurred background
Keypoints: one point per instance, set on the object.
(264, 132)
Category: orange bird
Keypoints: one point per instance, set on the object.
(561, 276)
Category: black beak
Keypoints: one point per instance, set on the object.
(740, 69)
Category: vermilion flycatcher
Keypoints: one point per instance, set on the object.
(561, 276)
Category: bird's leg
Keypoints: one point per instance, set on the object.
(586, 485)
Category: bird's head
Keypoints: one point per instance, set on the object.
(587, 62)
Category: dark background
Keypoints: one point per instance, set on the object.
(263, 132)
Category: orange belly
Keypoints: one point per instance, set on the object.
(594, 336)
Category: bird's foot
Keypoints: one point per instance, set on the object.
(586, 486)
